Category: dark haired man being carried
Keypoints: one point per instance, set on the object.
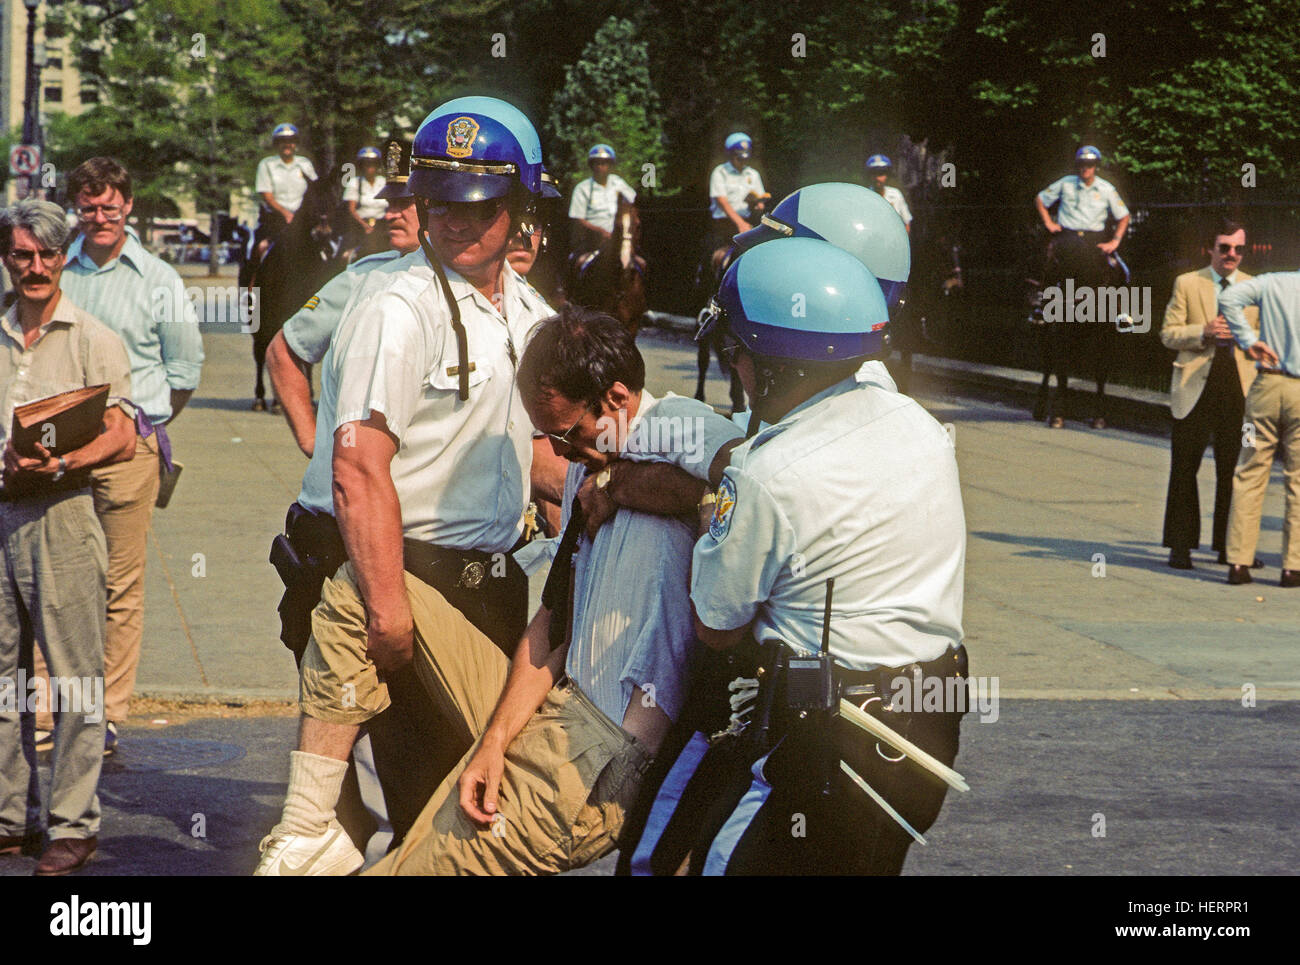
(567, 728)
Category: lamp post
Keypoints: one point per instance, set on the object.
(31, 125)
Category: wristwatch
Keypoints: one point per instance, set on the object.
(61, 471)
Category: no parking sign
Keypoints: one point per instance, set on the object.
(24, 159)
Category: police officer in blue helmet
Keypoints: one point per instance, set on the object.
(420, 471)
(829, 568)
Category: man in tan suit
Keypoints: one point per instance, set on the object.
(1207, 396)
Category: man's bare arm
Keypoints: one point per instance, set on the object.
(370, 522)
(293, 390)
(179, 397)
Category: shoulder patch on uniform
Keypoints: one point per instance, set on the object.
(311, 303)
(720, 525)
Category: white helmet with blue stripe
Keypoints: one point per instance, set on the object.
(802, 299)
(849, 216)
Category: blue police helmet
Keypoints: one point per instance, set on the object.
(803, 299)
(473, 149)
(850, 217)
(602, 152)
(879, 162)
(284, 131)
(739, 141)
(369, 154)
(1087, 153)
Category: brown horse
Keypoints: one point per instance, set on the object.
(611, 279)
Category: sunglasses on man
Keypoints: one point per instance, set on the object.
(469, 210)
(1226, 248)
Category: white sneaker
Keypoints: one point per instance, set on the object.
(331, 853)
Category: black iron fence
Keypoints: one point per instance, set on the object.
(1001, 246)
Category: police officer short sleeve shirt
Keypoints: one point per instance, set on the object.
(859, 483)
(461, 469)
(598, 203)
(735, 186)
(898, 203)
(308, 331)
(1083, 206)
(287, 183)
(365, 194)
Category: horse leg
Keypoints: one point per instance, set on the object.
(259, 360)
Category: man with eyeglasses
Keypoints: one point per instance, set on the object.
(142, 299)
(1207, 395)
(53, 558)
(567, 728)
(1272, 417)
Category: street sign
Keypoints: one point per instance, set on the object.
(24, 159)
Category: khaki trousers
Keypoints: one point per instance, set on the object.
(124, 497)
(570, 774)
(1273, 407)
(52, 566)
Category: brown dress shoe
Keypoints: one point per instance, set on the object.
(1223, 561)
(1056, 422)
(1238, 575)
(65, 855)
(1289, 578)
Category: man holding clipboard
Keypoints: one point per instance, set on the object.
(53, 557)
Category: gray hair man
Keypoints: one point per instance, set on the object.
(53, 557)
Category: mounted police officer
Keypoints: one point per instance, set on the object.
(363, 195)
(736, 192)
(280, 183)
(595, 201)
(419, 475)
(1079, 250)
(879, 168)
(771, 779)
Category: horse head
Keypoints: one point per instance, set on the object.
(626, 237)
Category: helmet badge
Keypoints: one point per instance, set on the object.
(460, 136)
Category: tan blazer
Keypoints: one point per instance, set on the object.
(1192, 306)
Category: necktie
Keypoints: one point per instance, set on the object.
(555, 595)
(1223, 342)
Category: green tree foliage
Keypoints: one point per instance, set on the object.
(608, 97)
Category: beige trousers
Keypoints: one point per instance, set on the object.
(124, 498)
(1273, 408)
(570, 774)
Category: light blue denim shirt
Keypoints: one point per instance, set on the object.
(142, 298)
(1278, 296)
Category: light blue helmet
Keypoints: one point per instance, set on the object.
(602, 152)
(849, 216)
(802, 299)
(1087, 153)
(284, 131)
(879, 162)
(369, 154)
(739, 141)
(473, 149)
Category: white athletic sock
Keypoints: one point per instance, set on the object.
(314, 786)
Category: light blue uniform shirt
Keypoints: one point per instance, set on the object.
(1083, 207)
(142, 298)
(1278, 296)
(309, 331)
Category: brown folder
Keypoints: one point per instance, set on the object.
(61, 423)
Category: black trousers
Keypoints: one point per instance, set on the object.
(798, 829)
(1217, 416)
(1073, 348)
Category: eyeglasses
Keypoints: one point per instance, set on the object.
(470, 210)
(111, 212)
(564, 439)
(1225, 248)
(22, 257)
